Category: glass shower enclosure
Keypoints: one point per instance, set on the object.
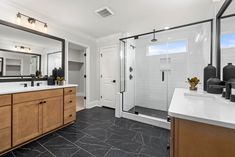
(154, 64)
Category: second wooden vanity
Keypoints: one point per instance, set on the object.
(29, 115)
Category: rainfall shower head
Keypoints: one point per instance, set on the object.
(154, 37)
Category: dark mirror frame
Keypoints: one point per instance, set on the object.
(28, 77)
(220, 16)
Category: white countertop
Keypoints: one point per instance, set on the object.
(202, 107)
(17, 89)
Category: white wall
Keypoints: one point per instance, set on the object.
(8, 13)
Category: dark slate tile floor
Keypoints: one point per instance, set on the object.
(97, 133)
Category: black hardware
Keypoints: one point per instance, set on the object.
(41, 102)
(44, 102)
(130, 69)
(163, 76)
(25, 84)
(101, 97)
(85, 54)
(32, 80)
(168, 147)
(101, 55)
(70, 101)
(38, 84)
(84, 97)
(114, 81)
(84, 76)
(168, 118)
(70, 115)
(130, 77)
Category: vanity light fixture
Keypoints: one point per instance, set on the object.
(23, 48)
(31, 21)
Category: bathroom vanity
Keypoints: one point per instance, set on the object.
(32, 112)
(202, 125)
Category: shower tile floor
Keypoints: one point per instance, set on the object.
(149, 112)
(97, 133)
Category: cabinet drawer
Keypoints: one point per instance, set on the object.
(5, 117)
(68, 91)
(69, 101)
(31, 96)
(5, 139)
(5, 100)
(69, 115)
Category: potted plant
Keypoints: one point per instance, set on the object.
(193, 82)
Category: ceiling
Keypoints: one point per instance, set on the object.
(134, 16)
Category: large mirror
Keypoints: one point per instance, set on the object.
(226, 36)
(25, 52)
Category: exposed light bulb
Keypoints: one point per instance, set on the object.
(166, 28)
(45, 28)
(18, 18)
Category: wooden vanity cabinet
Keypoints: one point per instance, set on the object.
(194, 139)
(52, 113)
(69, 105)
(36, 113)
(27, 121)
(27, 116)
(5, 122)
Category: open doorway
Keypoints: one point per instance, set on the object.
(77, 72)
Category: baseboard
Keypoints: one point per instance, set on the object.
(93, 104)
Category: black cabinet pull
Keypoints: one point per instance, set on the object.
(163, 76)
(70, 115)
(44, 102)
(168, 118)
(70, 101)
(114, 81)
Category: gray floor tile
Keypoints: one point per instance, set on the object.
(61, 147)
(93, 145)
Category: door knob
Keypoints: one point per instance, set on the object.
(114, 81)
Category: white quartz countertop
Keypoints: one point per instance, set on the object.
(17, 89)
(202, 107)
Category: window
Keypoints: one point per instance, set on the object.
(228, 40)
(179, 46)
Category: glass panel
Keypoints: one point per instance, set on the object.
(154, 69)
(227, 42)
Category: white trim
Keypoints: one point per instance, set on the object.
(88, 74)
(147, 120)
(93, 104)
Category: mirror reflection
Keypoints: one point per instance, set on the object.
(24, 54)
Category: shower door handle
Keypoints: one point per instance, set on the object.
(163, 76)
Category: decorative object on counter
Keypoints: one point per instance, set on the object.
(228, 86)
(60, 72)
(60, 81)
(38, 74)
(193, 82)
(228, 72)
(214, 86)
(51, 81)
(209, 72)
(55, 72)
(232, 98)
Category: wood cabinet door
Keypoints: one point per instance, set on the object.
(52, 113)
(26, 121)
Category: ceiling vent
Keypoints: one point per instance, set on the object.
(104, 12)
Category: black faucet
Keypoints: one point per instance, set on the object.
(32, 80)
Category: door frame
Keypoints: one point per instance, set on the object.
(87, 68)
(117, 74)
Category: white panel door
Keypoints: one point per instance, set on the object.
(109, 72)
